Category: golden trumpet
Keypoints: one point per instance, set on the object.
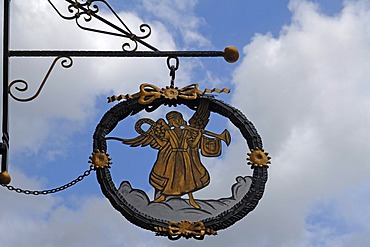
(224, 136)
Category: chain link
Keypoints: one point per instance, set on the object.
(173, 69)
(50, 191)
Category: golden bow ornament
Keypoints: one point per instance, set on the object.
(148, 93)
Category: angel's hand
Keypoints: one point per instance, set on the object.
(198, 132)
(193, 134)
(195, 137)
(157, 131)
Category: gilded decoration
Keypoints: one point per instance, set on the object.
(178, 169)
(5, 178)
(185, 229)
(148, 93)
(100, 159)
(231, 54)
(258, 157)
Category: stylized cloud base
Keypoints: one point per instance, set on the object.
(178, 209)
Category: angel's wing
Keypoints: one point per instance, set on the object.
(200, 118)
(149, 137)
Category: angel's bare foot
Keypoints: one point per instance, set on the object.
(192, 201)
(160, 199)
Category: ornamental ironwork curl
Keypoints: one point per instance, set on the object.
(66, 63)
(84, 12)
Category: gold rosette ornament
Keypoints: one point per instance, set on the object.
(170, 93)
(187, 229)
(100, 159)
(258, 158)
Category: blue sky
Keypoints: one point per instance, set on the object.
(302, 79)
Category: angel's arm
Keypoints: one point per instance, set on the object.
(193, 143)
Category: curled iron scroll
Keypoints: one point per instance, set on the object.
(218, 222)
(90, 9)
(67, 62)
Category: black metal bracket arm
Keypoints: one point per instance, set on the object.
(54, 53)
(82, 12)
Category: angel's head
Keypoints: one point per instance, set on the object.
(175, 119)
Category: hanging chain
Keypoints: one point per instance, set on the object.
(173, 69)
(51, 191)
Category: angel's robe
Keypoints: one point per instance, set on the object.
(178, 169)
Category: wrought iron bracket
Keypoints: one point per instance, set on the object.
(82, 12)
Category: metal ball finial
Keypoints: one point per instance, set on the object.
(5, 178)
(231, 54)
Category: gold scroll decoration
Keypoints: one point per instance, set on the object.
(186, 229)
(224, 90)
(148, 93)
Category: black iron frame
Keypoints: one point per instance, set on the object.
(84, 10)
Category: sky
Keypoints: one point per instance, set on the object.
(302, 79)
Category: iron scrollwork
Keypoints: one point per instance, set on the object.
(66, 63)
(84, 12)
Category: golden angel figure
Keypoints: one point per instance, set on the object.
(178, 169)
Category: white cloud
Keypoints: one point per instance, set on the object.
(307, 93)
(30, 221)
(180, 15)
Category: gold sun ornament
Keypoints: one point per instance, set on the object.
(258, 157)
(170, 92)
(100, 159)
